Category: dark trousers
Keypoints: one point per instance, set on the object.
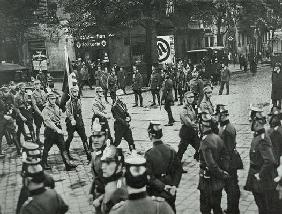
(167, 107)
(38, 120)
(106, 94)
(105, 126)
(113, 96)
(138, 94)
(188, 136)
(181, 94)
(210, 200)
(123, 131)
(80, 131)
(156, 92)
(29, 122)
(51, 138)
(267, 202)
(222, 83)
(175, 92)
(64, 99)
(233, 193)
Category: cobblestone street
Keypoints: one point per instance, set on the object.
(74, 185)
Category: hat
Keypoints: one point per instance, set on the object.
(37, 81)
(111, 153)
(207, 88)
(119, 92)
(97, 128)
(34, 170)
(74, 88)
(51, 95)
(21, 84)
(189, 94)
(220, 109)
(4, 87)
(256, 110)
(135, 160)
(206, 117)
(98, 89)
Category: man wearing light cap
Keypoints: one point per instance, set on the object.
(122, 120)
(227, 132)
(163, 166)
(213, 166)
(53, 132)
(99, 111)
(136, 181)
(74, 122)
(41, 200)
(206, 104)
(38, 99)
(260, 180)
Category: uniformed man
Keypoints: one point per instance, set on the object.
(104, 82)
(213, 166)
(206, 104)
(112, 85)
(99, 111)
(53, 132)
(227, 132)
(23, 107)
(74, 122)
(167, 98)
(136, 181)
(155, 85)
(122, 120)
(182, 86)
(137, 86)
(163, 166)
(38, 99)
(112, 162)
(41, 200)
(260, 180)
(42, 78)
(189, 130)
(196, 85)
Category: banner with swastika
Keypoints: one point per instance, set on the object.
(166, 51)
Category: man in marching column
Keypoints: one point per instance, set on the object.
(155, 85)
(75, 122)
(38, 99)
(227, 132)
(53, 132)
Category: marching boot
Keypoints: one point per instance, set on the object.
(44, 161)
(37, 139)
(69, 166)
(8, 138)
(17, 144)
(26, 137)
(67, 143)
(87, 151)
(32, 134)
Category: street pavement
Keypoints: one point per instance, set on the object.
(74, 185)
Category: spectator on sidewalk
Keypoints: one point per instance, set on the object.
(121, 78)
(224, 79)
(85, 79)
(137, 86)
(276, 92)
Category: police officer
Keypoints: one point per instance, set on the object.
(53, 132)
(23, 107)
(163, 166)
(213, 166)
(227, 132)
(99, 111)
(189, 130)
(41, 200)
(260, 180)
(155, 85)
(137, 86)
(136, 181)
(167, 98)
(38, 99)
(122, 120)
(74, 122)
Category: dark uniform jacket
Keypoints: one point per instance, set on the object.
(275, 135)
(44, 201)
(163, 167)
(112, 82)
(138, 202)
(213, 162)
(121, 78)
(137, 81)
(167, 91)
(183, 81)
(156, 81)
(197, 87)
(227, 132)
(73, 112)
(120, 112)
(262, 161)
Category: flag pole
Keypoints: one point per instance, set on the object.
(68, 73)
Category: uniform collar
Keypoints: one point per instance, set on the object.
(136, 196)
(224, 123)
(207, 132)
(37, 191)
(259, 132)
(157, 142)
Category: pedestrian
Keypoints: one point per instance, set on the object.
(260, 180)
(122, 122)
(53, 132)
(163, 167)
(23, 107)
(137, 86)
(112, 85)
(85, 78)
(213, 166)
(121, 78)
(155, 85)
(100, 112)
(112, 162)
(224, 79)
(41, 200)
(136, 181)
(104, 82)
(189, 130)
(276, 90)
(74, 122)
(167, 98)
(227, 133)
(38, 102)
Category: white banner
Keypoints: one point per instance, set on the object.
(166, 51)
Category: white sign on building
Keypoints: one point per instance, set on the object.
(166, 50)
